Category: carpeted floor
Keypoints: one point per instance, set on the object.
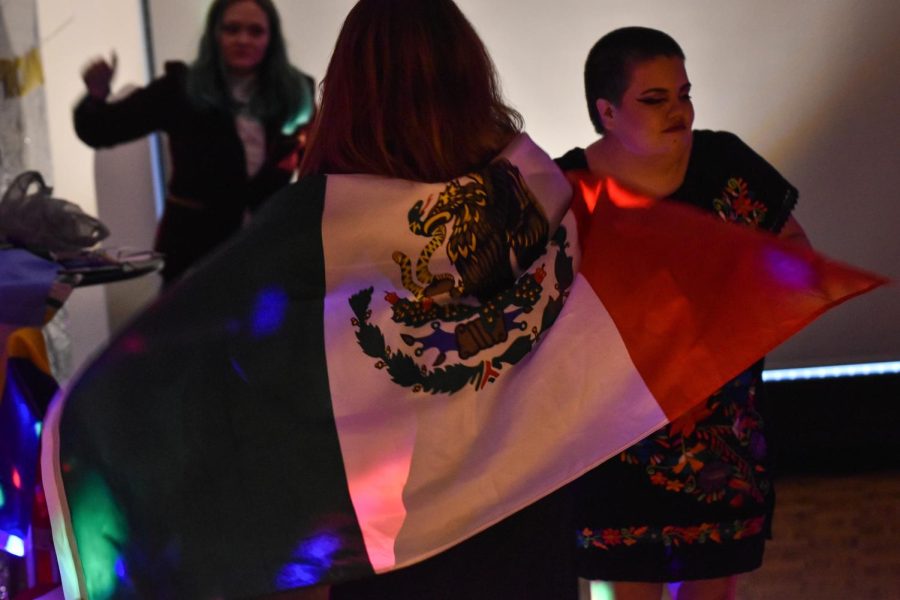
(836, 537)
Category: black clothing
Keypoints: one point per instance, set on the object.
(209, 179)
(693, 500)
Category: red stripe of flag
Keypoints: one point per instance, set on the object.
(670, 296)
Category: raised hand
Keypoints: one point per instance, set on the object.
(98, 74)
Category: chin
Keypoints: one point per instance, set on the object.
(681, 139)
(243, 67)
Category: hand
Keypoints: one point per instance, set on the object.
(98, 75)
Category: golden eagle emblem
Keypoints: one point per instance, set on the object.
(475, 208)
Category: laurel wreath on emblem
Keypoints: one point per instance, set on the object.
(403, 368)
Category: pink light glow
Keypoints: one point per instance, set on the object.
(377, 497)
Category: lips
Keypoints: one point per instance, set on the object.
(675, 128)
(244, 57)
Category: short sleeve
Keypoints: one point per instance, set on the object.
(727, 177)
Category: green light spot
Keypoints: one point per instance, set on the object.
(99, 533)
(2, 497)
(301, 118)
(601, 590)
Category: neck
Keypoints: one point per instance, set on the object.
(240, 75)
(656, 176)
(241, 84)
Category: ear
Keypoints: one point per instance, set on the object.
(607, 113)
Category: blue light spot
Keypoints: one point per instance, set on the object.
(312, 560)
(296, 575)
(269, 312)
(239, 370)
(121, 570)
(321, 547)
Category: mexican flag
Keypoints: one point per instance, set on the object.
(368, 375)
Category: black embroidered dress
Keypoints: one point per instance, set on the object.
(693, 500)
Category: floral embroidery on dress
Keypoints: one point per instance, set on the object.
(737, 204)
(715, 453)
(671, 535)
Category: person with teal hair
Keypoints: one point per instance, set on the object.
(235, 118)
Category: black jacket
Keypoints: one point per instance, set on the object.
(207, 159)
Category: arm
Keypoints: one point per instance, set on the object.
(99, 123)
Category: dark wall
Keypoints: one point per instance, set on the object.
(834, 426)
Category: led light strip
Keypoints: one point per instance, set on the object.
(860, 370)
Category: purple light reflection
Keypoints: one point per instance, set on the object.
(790, 269)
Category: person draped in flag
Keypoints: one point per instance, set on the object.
(692, 503)
(411, 93)
(235, 119)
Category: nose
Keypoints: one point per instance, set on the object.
(682, 110)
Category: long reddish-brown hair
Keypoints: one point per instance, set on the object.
(410, 92)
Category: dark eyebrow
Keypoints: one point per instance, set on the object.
(686, 86)
(654, 91)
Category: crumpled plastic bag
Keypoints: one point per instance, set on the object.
(37, 220)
